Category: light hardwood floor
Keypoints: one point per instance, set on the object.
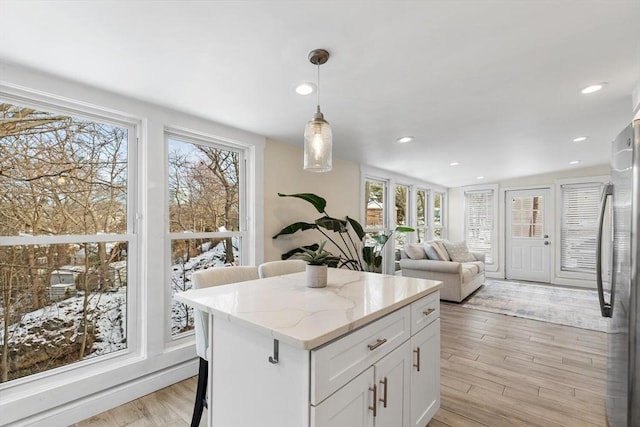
(496, 370)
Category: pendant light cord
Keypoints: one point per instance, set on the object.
(318, 93)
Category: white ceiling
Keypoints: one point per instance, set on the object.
(494, 85)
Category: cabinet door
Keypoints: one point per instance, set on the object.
(349, 406)
(393, 379)
(425, 375)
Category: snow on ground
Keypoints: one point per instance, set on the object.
(109, 310)
(181, 315)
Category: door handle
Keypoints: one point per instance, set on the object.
(428, 311)
(374, 408)
(383, 399)
(546, 243)
(417, 364)
(377, 344)
(606, 308)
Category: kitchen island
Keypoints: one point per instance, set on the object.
(363, 351)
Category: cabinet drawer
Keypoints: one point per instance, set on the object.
(424, 311)
(336, 363)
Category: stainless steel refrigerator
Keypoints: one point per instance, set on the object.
(617, 277)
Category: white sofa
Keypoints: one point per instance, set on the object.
(459, 279)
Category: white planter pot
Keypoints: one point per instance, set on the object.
(316, 276)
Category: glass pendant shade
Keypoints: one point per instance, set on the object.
(317, 144)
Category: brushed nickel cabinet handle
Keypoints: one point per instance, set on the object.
(383, 399)
(374, 408)
(429, 311)
(377, 344)
(417, 364)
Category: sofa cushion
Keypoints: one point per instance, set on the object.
(472, 267)
(458, 251)
(431, 253)
(441, 250)
(415, 251)
(469, 271)
(479, 264)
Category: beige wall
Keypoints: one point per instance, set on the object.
(284, 174)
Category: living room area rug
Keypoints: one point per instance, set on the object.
(548, 303)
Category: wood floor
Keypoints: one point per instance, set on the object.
(496, 370)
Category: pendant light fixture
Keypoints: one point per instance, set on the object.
(317, 133)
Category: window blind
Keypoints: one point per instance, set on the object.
(479, 221)
(579, 226)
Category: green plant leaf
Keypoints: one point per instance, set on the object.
(332, 224)
(292, 252)
(318, 202)
(296, 226)
(357, 228)
(377, 261)
(368, 254)
(349, 262)
(403, 229)
(380, 239)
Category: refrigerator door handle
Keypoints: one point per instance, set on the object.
(605, 307)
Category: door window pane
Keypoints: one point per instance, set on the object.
(527, 217)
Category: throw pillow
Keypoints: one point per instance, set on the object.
(459, 252)
(431, 252)
(414, 251)
(442, 250)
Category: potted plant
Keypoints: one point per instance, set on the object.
(349, 237)
(318, 260)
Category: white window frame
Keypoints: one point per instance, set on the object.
(78, 370)
(391, 179)
(427, 224)
(566, 276)
(85, 388)
(243, 234)
(385, 204)
(443, 215)
(493, 190)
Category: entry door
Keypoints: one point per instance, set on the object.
(528, 223)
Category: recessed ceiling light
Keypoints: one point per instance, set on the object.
(574, 162)
(404, 139)
(454, 163)
(479, 177)
(305, 88)
(593, 88)
(580, 139)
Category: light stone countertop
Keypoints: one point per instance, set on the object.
(283, 307)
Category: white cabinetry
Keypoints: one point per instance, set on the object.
(425, 375)
(400, 385)
(284, 355)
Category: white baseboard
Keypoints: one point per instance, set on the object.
(96, 403)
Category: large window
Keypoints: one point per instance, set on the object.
(66, 238)
(401, 214)
(422, 217)
(375, 199)
(479, 222)
(439, 231)
(580, 207)
(205, 211)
